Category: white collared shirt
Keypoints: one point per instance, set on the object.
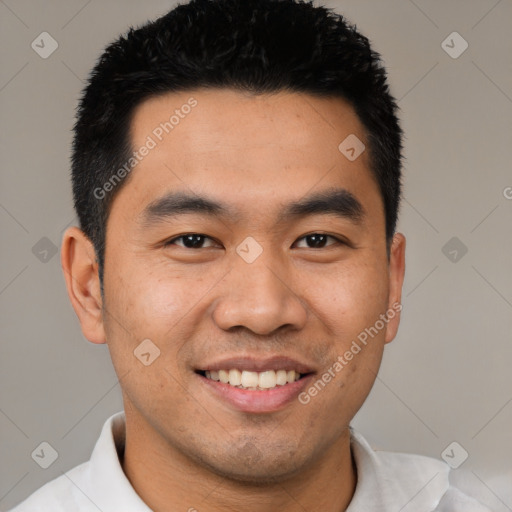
(386, 482)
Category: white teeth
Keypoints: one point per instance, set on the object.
(281, 377)
(235, 377)
(267, 380)
(253, 380)
(249, 379)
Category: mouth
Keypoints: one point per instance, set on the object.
(256, 386)
(253, 381)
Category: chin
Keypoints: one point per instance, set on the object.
(255, 477)
(255, 467)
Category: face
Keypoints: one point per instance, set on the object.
(246, 246)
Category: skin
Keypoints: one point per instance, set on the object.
(184, 445)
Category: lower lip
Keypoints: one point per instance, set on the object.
(256, 401)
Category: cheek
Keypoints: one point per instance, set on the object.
(156, 305)
(147, 300)
(351, 300)
(160, 303)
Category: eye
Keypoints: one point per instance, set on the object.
(318, 240)
(191, 241)
(199, 241)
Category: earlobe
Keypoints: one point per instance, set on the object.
(396, 280)
(78, 260)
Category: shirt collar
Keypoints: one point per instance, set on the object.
(106, 485)
(392, 482)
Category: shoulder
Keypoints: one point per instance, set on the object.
(58, 495)
(87, 487)
(413, 483)
(455, 500)
(427, 479)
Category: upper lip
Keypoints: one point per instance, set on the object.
(253, 364)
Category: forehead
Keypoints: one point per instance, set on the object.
(253, 151)
(208, 119)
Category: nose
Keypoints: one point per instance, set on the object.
(259, 296)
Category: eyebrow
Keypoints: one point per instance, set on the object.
(338, 202)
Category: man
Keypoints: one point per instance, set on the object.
(236, 173)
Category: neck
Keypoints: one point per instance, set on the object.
(166, 480)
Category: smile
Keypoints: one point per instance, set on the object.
(254, 381)
(253, 385)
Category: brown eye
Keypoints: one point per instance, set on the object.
(191, 241)
(318, 240)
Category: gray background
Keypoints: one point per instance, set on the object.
(447, 375)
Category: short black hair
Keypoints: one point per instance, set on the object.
(257, 46)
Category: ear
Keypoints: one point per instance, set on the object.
(396, 280)
(80, 267)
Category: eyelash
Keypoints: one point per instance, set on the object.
(172, 240)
